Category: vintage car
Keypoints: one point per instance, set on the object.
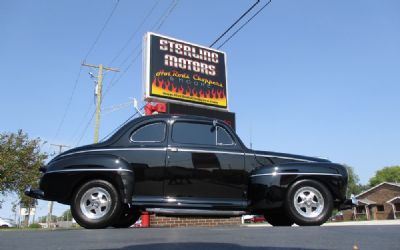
(189, 165)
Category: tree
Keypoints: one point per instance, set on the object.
(66, 216)
(353, 186)
(388, 174)
(20, 159)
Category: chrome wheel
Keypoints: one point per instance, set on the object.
(308, 202)
(95, 203)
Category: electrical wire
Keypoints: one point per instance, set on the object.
(107, 90)
(240, 18)
(167, 13)
(244, 24)
(112, 84)
(125, 122)
(76, 132)
(68, 103)
(101, 31)
(86, 127)
(160, 22)
(135, 32)
(80, 71)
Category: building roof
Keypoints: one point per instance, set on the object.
(380, 184)
(366, 201)
(393, 199)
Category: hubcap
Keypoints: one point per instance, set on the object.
(95, 203)
(308, 202)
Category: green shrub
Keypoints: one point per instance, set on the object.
(35, 225)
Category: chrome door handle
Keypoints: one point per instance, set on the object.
(173, 149)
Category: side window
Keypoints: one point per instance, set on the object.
(154, 132)
(223, 137)
(193, 133)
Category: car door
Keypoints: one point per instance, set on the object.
(204, 162)
(146, 154)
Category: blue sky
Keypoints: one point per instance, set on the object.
(319, 78)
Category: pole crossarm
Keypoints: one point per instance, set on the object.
(98, 66)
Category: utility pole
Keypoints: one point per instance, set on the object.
(98, 92)
(50, 206)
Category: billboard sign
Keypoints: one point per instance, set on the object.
(182, 72)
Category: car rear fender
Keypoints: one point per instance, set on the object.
(64, 176)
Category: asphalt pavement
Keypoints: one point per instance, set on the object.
(248, 238)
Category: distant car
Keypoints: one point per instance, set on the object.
(7, 223)
(189, 165)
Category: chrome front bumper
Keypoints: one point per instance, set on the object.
(34, 193)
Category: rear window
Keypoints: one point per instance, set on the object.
(154, 132)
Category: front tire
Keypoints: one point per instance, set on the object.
(308, 203)
(96, 204)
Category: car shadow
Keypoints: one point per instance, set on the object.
(201, 246)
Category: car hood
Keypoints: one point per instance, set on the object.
(289, 157)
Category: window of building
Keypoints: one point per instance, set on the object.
(360, 210)
(397, 207)
(154, 132)
(380, 208)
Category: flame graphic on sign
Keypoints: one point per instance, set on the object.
(168, 89)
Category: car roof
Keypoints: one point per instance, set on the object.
(128, 125)
(173, 116)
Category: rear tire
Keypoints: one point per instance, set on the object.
(96, 204)
(128, 217)
(278, 218)
(308, 203)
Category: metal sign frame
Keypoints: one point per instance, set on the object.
(147, 81)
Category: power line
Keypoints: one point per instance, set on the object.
(135, 32)
(120, 126)
(112, 84)
(167, 13)
(75, 134)
(159, 23)
(240, 18)
(101, 31)
(86, 127)
(80, 71)
(244, 24)
(68, 103)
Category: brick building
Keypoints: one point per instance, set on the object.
(192, 221)
(381, 202)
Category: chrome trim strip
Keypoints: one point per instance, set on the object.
(281, 157)
(117, 149)
(294, 173)
(89, 169)
(209, 151)
(185, 150)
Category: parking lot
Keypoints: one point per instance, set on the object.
(327, 237)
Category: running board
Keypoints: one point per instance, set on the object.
(174, 211)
